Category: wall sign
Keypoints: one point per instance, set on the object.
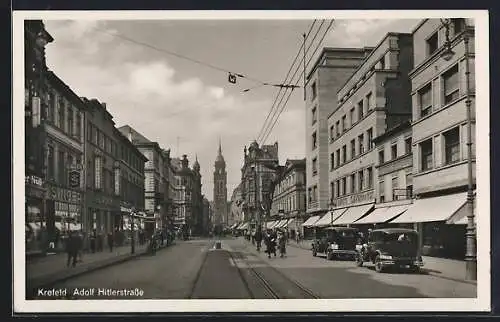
(354, 199)
(62, 194)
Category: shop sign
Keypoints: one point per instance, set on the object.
(104, 200)
(74, 179)
(33, 180)
(62, 194)
(354, 199)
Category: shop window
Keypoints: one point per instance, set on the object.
(353, 183)
(353, 149)
(408, 145)
(452, 146)
(425, 100)
(370, 177)
(314, 141)
(394, 151)
(432, 44)
(450, 84)
(426, 155)
(381, 157)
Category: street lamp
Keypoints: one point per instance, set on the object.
(331, 212)
(132, 240)
(448, 52)
(470, 253)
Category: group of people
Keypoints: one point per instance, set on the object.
(274, 240)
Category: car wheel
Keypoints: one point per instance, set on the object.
(329, 256)
(359, 260)
(378, 264)
(415, 269)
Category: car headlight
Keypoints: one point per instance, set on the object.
(385, 257)
(335, 246)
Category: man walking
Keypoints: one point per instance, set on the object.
(71, 249)
(110, 241)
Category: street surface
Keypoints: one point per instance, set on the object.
(195, 269)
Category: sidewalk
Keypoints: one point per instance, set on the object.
(441, 267)
(52, 268)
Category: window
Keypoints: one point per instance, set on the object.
(361, 180)
(98, 172)
(314, 91)
(353, 148)
(50, 163)
(344, 154)
(353, 183)
(95, 133)
(60, 121)
(61, 167)
(425, 100)
(89, 131)
(432, 44)
(70, 121)
(394, 151)
(314, 141)
(395, 186)
(314, 116)
(337, 127)
(452, 146)
(52, 106)
(332, 190)
(315, 166)
(369, 135)
(337, 191)
(315, 193)
(458, 25)
(361, 112)
(370, 177)
(369, 101)
(381, 157)
(101, 140)
(332, 133)
(426, 155)
(352, 116)
(450, 82)
(382, 63)
(332, 161)
(361, 139)
(78, 129)
(337, 159)
(408, 145)
(344, 185)
(382, 191)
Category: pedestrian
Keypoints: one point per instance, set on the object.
(282, 244)
(110, 241)
(80, 238)
(152, 244)
(71, 249)
(93, 241)
(258, 238)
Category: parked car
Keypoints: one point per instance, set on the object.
(336, 242)
(391, 247)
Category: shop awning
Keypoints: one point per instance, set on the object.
(282, 224)
(460, 217)
(234, 225)
(309, 222)
(330, 217)
(382, 214)
(244, 226)
(33, 226)
(352, 214)
(269, 224)
(291, 223)
(432, 209)
(276, 223)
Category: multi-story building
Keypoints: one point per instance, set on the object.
(332, 69)
(186, 179)
(235, 208)
(289, 197)
(102, 204)
(375, 98)
(36, 108)
(197, 199)
(220, 191)
(443, 85)
(260, 165)
(128, 181)
(170, 182)
(155, 195)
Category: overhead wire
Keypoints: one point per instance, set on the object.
(307, 64)
(284, 81)
(296, 70)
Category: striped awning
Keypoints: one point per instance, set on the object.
(270, 224)
(309, 222)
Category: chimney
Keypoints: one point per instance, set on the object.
(129, 136)
(103, 105)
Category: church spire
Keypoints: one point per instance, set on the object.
(220, 147)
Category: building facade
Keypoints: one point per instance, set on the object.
(102, 204)
(332, 69)
(289, 196)
(443, 84)
(185, 181)
(171, 188)
(257, 173)
(374, 99)
(220, 191)
(197, 196)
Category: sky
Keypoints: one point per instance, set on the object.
(187, 106)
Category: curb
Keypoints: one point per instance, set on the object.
(48, 281)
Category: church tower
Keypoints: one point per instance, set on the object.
(220, 190)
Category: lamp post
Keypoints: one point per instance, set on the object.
(132, 230)
(470, 235)
(331, 212)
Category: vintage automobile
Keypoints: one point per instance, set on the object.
(391, 247)
(336, 242)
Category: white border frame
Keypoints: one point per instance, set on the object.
(481, 303)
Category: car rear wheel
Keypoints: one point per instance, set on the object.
(378, 264)
(359, 260)
(415, 269)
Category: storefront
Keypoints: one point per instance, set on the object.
(102, 211)
(34, 219)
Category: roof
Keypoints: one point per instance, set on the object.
(401, 127)
(124, 139)
(395, 230)
(137, 138)
(62, 86)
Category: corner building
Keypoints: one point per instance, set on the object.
(439, 130)
(374, 99)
